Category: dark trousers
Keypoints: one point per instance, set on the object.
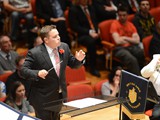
(91, 44)
(50, 111)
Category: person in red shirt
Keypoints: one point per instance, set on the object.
(127, 41)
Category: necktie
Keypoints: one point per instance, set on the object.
(88, 17)
(7, 56)
(57, 60)
(133, 6)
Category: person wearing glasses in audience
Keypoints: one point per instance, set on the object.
(45, 65)
(111, 87)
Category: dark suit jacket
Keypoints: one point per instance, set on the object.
(102, 14)
(79, 22)
(44, 91)
(44, 9)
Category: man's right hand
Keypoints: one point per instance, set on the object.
(42, 74)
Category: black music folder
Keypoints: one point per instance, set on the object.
(9, 113)
(137, 90)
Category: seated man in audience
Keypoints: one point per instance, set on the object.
(7, 55)
(126, 38)
(2, 90)
(20, 9)
(143, 20)
(83, 21)
(154, 47)
(16, 76)
(52, 11)
(105, 9)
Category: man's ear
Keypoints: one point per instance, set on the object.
(45, 40)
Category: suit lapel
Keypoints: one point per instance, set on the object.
(46, 56)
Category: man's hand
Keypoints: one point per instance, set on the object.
(42, 73)
(80, 55)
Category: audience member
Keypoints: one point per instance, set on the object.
(16, 76)
(19, 9)
(154, 47)
(143, 20)
(105, 9)
(7, 55)
(52, 11)
(152, 71)
(45, 66)
(127, 39)
(17, 99)
(111, 87)
(2, 89)
(37, 41)
(83, 21)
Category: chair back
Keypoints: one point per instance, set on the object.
(104, 27)
(80, 91)
(155, 12)
(74, 76)
(146, 43)
(98, 86)
(130, 17)
(5, 76)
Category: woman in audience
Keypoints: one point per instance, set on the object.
(111, 87)
(17, 99)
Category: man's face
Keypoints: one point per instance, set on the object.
(144, 6)
(53, 39)
(122, 16)
(5, 44)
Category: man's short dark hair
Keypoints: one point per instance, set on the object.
(122, 8)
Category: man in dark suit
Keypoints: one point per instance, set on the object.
(87, 30)
(49, 84)
(52, 11)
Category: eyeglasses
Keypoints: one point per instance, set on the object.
(116, 75)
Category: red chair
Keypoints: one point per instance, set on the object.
(108, 43)
(130, 17)
(98, 86)
(4, 76)
(155, 12)
(146, 43)
(76, 76)
(80, 91)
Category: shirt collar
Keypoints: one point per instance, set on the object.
(49, 49)
(3, 54)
